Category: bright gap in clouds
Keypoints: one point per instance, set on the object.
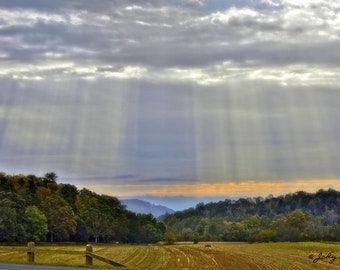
(172, 97)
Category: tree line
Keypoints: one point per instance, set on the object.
(40, 209)
(299, 216)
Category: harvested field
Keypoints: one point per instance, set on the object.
(238, 256)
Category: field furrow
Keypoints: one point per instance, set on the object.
(217, 256)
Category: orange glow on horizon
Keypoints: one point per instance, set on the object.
(240, 189)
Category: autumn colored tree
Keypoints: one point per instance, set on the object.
(60, 217)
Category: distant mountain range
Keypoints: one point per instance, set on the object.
(178, 203)
(144, 207)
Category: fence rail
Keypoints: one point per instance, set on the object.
(89, 255)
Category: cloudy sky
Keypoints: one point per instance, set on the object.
(172, 97)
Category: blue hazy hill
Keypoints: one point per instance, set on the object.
(144, 207)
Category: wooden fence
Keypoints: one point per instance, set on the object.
(89, 255)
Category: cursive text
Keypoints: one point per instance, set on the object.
(330, 257)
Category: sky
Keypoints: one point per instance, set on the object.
(172, 98)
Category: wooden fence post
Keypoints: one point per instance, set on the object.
(30, 252)
(89, 259)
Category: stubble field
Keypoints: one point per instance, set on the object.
(238, 256)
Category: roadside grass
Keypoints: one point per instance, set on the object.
(224, 256)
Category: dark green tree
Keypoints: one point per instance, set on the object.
(50, 177)
(11, 218)
(5, 183)
(149, 234)
(69, 193)
(104, 216)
